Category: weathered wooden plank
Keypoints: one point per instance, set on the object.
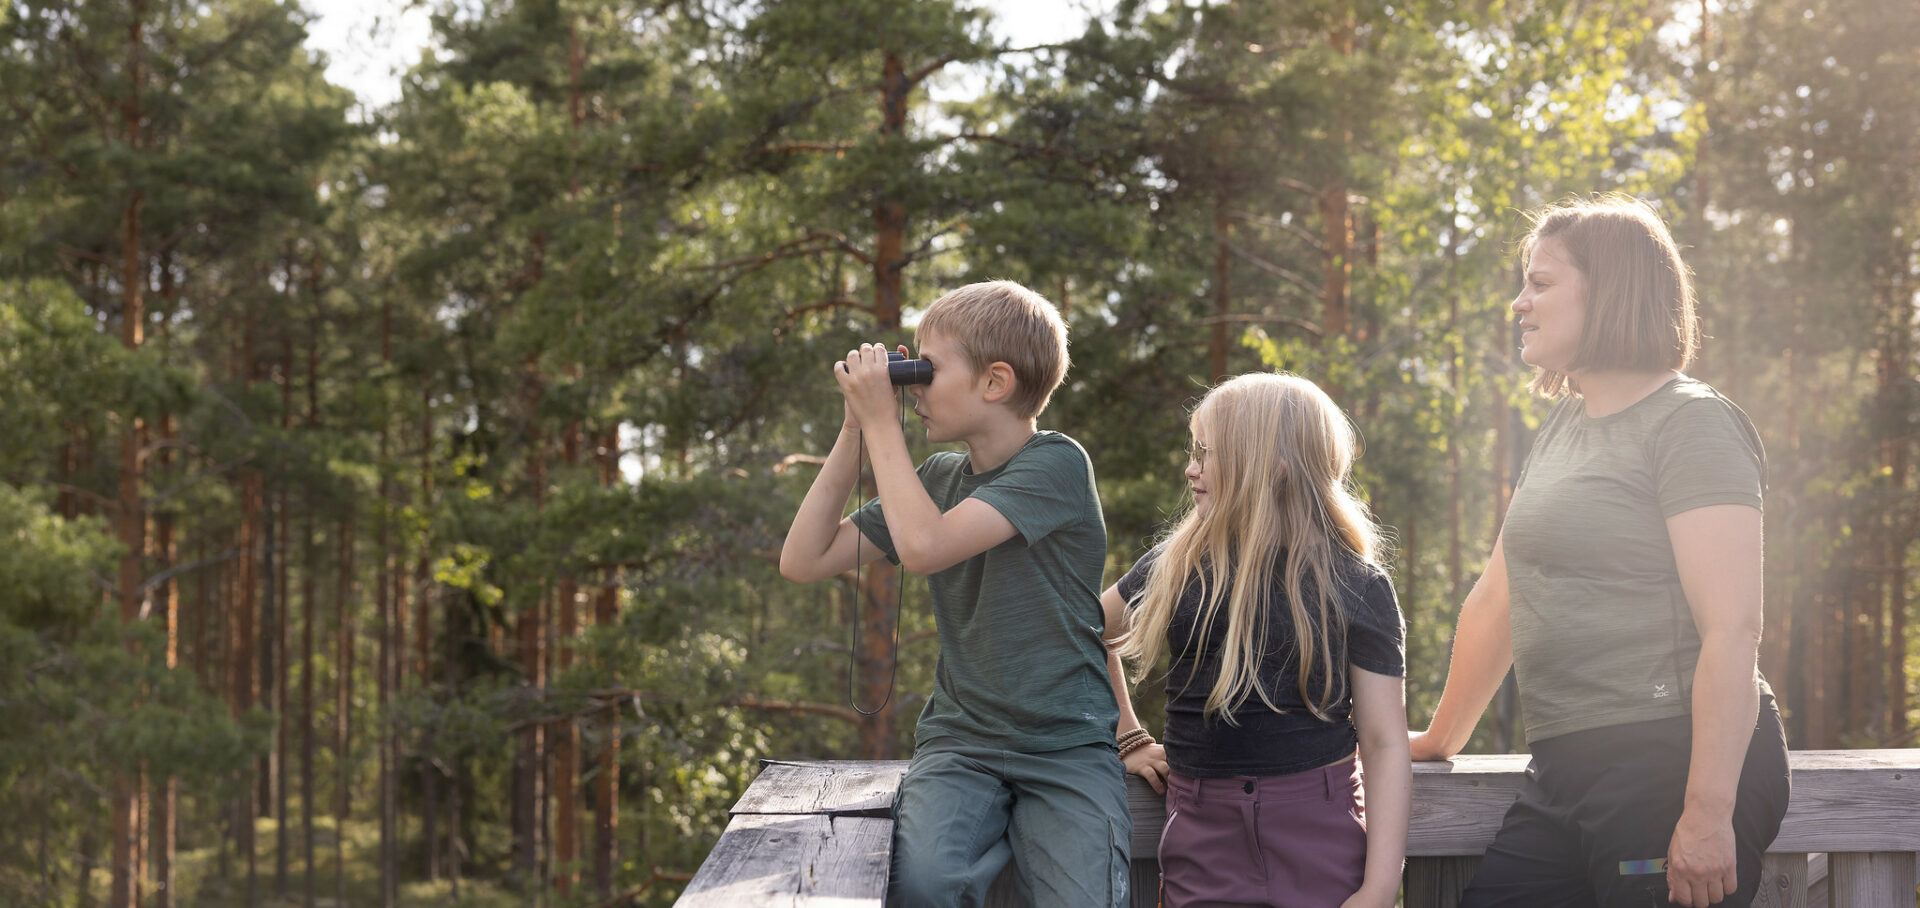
(843, 788)
(1783, 881)
(1149, 811)
(1857, 800)
(1871, 879)
(1437, 882)
(1817, 882)
(1458, 805)
(769, 860)
(1844, 801)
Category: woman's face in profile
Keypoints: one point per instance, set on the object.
(1551, 307)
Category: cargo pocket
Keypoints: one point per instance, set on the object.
(1120, 869)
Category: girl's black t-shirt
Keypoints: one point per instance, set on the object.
(1263, 742)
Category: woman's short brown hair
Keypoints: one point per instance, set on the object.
(1640, 305)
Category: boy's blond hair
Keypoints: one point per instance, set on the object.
(1001, 321)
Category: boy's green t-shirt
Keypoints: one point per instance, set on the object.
(1022, 666)
(1602, 632)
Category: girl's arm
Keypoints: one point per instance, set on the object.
(1149, 762)
(1380, 714)
(1718, 550)
(1482, 653)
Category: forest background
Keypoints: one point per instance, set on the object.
(392, 497)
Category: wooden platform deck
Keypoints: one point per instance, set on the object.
(818, 833)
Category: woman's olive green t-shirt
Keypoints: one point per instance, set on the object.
(1602, 633)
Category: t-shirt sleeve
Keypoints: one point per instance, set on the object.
(1707, 453)
(1376, 637)
(1135, 581)
(1041, 489)
(872, 522)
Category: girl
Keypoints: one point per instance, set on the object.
(1287, 651)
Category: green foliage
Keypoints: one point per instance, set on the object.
(85, 696)
(567, 308)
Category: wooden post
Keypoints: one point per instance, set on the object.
(1872, 879)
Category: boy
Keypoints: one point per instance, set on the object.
(1014, 752)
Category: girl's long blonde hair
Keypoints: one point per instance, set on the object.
(1279, 461)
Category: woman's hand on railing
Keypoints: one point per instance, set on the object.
(1150, 763)
(1369, 899)
(1424, 746)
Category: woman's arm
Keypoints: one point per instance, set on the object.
(1719, 553)
(1482, 653)
(1380, 714)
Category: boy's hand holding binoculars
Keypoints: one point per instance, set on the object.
(865, 383)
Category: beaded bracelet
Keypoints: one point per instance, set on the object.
(1130, 735)
(1135, 744)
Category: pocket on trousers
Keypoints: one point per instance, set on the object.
(1119, 869)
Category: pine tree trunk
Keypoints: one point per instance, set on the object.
(566, 749)
(1798, 620)
(877, 732)
(529, 779)
(1336, 219)
(268, 781)
(889, 213)
(567, 736)
(384, 611)
(309, 597)
(164, 821)
(343, 705)
(1507, 455)
(129, 518)
(1456, 504)
(1222, 290)
(284, 541)
(167, 801)
(606, 787)
(423, 644)
(241, 631)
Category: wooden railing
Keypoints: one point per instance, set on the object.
(814, 833)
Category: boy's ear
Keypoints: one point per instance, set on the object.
(999, 382)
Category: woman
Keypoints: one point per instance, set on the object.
(1625, 591)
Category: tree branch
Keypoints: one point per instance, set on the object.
(798, 147)
(1249, 318)
(837, 302)
(1299, 232)
(918, 75)
(1276, 270)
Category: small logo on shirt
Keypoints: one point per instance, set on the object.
(1659, 691)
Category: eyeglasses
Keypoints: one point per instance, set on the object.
(1197, 453)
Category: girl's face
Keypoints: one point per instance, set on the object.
(1199, 459)
(1552, 308)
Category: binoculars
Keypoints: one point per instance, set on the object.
(904, 371)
